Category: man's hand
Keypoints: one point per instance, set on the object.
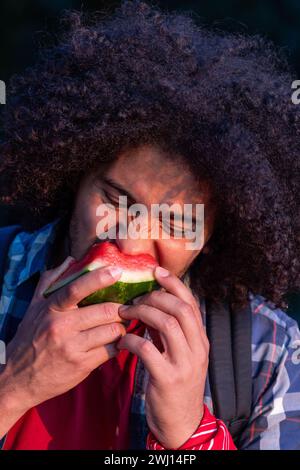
(57, 344)
(177, 361)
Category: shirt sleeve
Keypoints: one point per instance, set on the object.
(275, 420)
(211, 434)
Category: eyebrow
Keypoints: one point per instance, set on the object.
(118, 187)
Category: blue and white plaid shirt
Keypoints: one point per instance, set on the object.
(275, 419)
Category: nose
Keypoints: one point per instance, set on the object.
(135, 247)
(136, 237)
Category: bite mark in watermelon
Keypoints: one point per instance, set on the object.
(137, 277)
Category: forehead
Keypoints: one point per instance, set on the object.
(152, 176)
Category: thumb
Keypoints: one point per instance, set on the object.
(50, 276)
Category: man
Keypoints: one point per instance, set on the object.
(150, 106)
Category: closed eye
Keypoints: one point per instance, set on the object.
(113, 199)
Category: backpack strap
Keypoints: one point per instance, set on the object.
(230, 364)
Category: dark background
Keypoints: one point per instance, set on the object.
(22, 23)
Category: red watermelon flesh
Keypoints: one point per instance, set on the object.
(137, 277)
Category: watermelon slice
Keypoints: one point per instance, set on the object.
(137, 277)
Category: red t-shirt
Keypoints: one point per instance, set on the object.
(92, 415)
(95, 415)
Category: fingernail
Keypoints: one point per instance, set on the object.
(162, 271)
(123, 308)
(68, 260)
(115, 271)
(64, 265)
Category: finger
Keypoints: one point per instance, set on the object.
(98, 356)
(156, 339)
(100, 336)
(50, 276)
(96, 315)
(175, 286)
(172, 336)
(181, 310)
(69, 296)
(154, 361)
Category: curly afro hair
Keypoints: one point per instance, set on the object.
(140, 75)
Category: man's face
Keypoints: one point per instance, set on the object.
(146, 176)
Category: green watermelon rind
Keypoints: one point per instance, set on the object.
(120, 292)
(131, 284)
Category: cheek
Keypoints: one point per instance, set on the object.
(174, 256)
(87, 213)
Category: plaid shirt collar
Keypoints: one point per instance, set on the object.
(32, 251)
